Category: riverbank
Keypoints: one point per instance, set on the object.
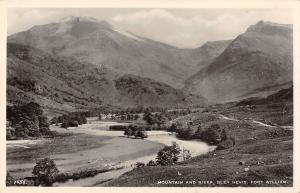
(75, 151)
(92, 146)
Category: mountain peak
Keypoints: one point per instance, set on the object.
(77, 19)
(270, 28)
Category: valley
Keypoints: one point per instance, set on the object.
(103, 107)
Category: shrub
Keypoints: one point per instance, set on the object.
(214, 134)
(168, 155)
(54, 120)
(151, 163)
(117, 127)
(140, 133)
(46, 172)
(186, 154)
(10, 181)
(65, 124)
(140, 164)
(225, 144)
(186, 132)
(44, 122)
(128, 132)
(10, 133)
(73, 123)
(173, 127)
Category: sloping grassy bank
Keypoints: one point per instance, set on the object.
(262, 156)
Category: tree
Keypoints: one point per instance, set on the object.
(43, 122)
(73, 124)
(151, 163)
(128, 132)
(214, 134)
(136, 117)
(65, 124)
(186, 154)
(168, 155)
(27, 120)
(46, 172)
(54, 120)
(140, 133)
(149, 118)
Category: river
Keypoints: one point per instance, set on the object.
(116, 151)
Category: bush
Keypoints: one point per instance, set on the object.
(151, 163)
(140, 133)
(214, 134)
(73, 124)
(173, 127)
(186, 133)
(168, 155)
(117, 128)
(44, 122)
(186, 154)
(10, 133)
(54, 120)
(128, 132)
(10, 181)
(46, 172)
(140, 164)
(226, 144)
(65, 124)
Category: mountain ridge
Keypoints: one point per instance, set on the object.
(100, 43)
(65, 84)
(253, 60)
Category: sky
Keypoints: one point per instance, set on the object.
(184, 28)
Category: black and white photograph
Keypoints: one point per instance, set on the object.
(149, 97)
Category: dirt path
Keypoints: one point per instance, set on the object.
(256, 122)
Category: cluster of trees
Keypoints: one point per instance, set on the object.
(70, 120)
(168, 155)
(123, 117)
(117, 111)
(133, 130)
(139, 127)
(155, 118)
(213, 134)
(140, 109)
(160, 118)
(25, 121)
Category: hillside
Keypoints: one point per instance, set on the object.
(65, 84)
(263, 150)
(208, 52)
(134, 90)
(256, 63)
(104, 45)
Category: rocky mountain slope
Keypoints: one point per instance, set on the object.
(208, 52)
(65, 84)
(256, 63)
(99, 43)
